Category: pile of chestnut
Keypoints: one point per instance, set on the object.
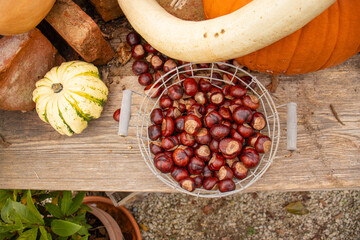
(205, 133)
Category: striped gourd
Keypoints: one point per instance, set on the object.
(69, 96)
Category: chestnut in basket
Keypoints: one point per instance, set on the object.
(180, 157)
(198, 180)
(173, 112)
(188, 184)
(214, 145)
(239, 170)
(163, 162)
(242, 114)
(210, 183)
(165, 102)
(157, 116)
(145, 79)
(196, 165)
(263, 144)
(167, 127)
(187, 139)
(155, 148)
(200, 97)
(175, 92)
(190, 86)
(179, 124)
(226, 185)
(203, 136)
(153, 90)
(230, 147)
(169, 65)
(188, 150)
(252, 139)
(249, 157)
(203, 153)
(258, 121)
(170, 143)
(234, 134)
(216, 162)
(225, 113)
(179, 173)
(245, 130)
(217, 98)
(219, 131)
(192, 124)
(237, 91)
(205, 85)
(212, 118)
(154, 132)
(207, 172)
(251, 101)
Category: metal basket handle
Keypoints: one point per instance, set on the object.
(125, 113)
(291, 125)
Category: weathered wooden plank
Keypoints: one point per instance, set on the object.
(328, 155)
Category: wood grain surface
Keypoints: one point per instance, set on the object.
(328, 154)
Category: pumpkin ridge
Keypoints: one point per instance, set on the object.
(78, 111)
(62, 118)
(100, 102)
(294, 51)
(89, 73)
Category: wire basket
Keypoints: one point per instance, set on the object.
(267, 107)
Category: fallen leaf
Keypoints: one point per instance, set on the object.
(208, 208)
(124, 53)
(143, 227)
(322, 202)
(296, 208)
(273, 85)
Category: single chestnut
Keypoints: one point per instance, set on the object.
(188, 150)
(212, 118)
(139, 67)
(234, 134)
(210, 183)
(173, 112)
(237, 91)
(216, 79)
(157, 116)
(263, 144)
(149, 48)
(203, 153)
(165, 102)
(198, 107)
(179, 124)
(170, 143)
(187, 139)
(226, 185)
(198, 180)
(196, 165)
(116, 114)
(163, 162)
(133, 38)
(207, 172)
(160, 75)
(242, 114)
(138, 51)
(180, 157)
(230, 147)
(179, 173)
(155, 148)
(190, 86)
(225, 113)
(239, 170)
(200, 97)
(211, 107)
(214, 145)
(180, 106)
(167, 127)
(251, 101)
(216, 162)
(232, 107)
(245, 130)
(219, 131)
(204, 85)
(189, 69)
(156, 63)
(169, 65)
(247, 81)
(249, 157)
(192, 124)
(153, 90)
(145, 79)
(258, 121)
(217, 98)
(154, 132)
(203, 136)
(224, 65)
(188, 184)
(175, 92)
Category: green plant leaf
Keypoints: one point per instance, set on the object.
(6, 210)
(64, 228)
(76, 203)
(296, 208)
(33, 209)
(44, 233)
(30, 234)
(24, 212)
(4, 195)
(66, 202)
(54, 210)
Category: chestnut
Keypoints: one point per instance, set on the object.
(245, 130)
(179, 124)
(204, 85)
(145, 79)
(215, 79)
(190, 86)
(139, 67)
(198, 180)
(246, 81)
(155, 148)
(242, 114)
(138, 51)
(116, 114)
(212, 118)
(167, 127)
(192, 124)
(258, 121)
(219, 131)
(196, 165)
(188, 150)
(187, 139)
(210, 183)
(180, 106)
(252, 139)
(237, 101)
(237, 91)
(211, 107)
(239, 170)
(170, 143)
(153, 90)
(234, 134)
(165, 102)
(249, 157)
(225, 113)
(188, 184)
(149, 48)
(169, 65)
(200, 97)
(180, 157)
(204, 65)
(232, 107)
(207, 172)
(154, 132)
(216, 162)
(251, 101)
(156, 63)
(203, 136)
(214, 145)
(203, 153)
(188, 102)
(217, 98)
(133, 38)
(224, 65)
(263, 144)
(226, 123)
(189, 69)
(226, 103)
(226, 92)
(157, 116)
(230, 147)
(175, 92)
(160, 74)
(226, 185)
(173, 113)
(163, 162)
(179, 173)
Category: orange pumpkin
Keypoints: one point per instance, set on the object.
(326, 41)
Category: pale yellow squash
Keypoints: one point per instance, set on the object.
(69, 96)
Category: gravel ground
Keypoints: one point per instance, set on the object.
(332, 215)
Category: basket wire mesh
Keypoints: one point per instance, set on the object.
(267, 107)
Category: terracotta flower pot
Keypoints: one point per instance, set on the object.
(122, 216)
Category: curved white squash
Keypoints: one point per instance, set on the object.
(69, 96)
(252, 27)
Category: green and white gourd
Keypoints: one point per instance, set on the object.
(69, 96)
